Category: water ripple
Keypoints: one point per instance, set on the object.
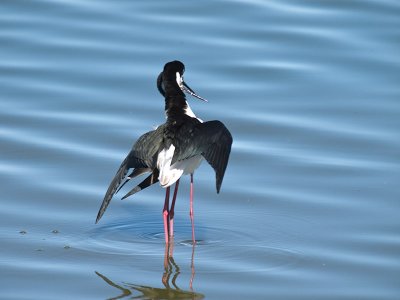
(310, 93)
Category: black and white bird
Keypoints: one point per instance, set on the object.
(174, 148)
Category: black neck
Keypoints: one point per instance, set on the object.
(175, 100)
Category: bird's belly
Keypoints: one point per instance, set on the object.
(170, 174)
(188, 165)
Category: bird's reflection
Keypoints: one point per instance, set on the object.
(169, 277)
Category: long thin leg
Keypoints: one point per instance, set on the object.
(172, 210)
(166, 216)
(191, 207)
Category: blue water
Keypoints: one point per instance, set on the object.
(310, 201)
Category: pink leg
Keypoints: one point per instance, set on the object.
(191, 207)
(166, 216)
(172, 210)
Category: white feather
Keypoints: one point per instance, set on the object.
(170, 174)
(179, 79)
(189, 112)
(167, 175)
(188, 165)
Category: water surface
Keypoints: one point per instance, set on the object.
(310, 201)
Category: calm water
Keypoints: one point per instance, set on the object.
(310, 201)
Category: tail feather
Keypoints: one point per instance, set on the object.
(151, 179)
(135, 173)
(121, 173)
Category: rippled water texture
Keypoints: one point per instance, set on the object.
(310, 201)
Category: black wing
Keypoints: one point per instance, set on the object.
(121, 173)
(144, 151)
(210, 139)
(142, 156)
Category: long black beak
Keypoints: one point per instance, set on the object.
(187, 89)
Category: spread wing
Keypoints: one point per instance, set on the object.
(142, 157)
(144, 151)
(210, 139)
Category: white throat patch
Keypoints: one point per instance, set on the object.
(179, 79)
(188, 110)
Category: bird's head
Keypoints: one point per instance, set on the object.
(172, 76)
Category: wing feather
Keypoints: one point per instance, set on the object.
(151, 179)
(119, 176)
(210, 139)
(142, 156)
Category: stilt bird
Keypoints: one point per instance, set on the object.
(174, 148)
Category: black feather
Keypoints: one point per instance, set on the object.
(121, 173)
(135, 173)
(151, 179)
(142, 156)
(210, 139)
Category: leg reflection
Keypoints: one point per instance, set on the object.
(170, 267)
(169, 279)
(192, 268)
